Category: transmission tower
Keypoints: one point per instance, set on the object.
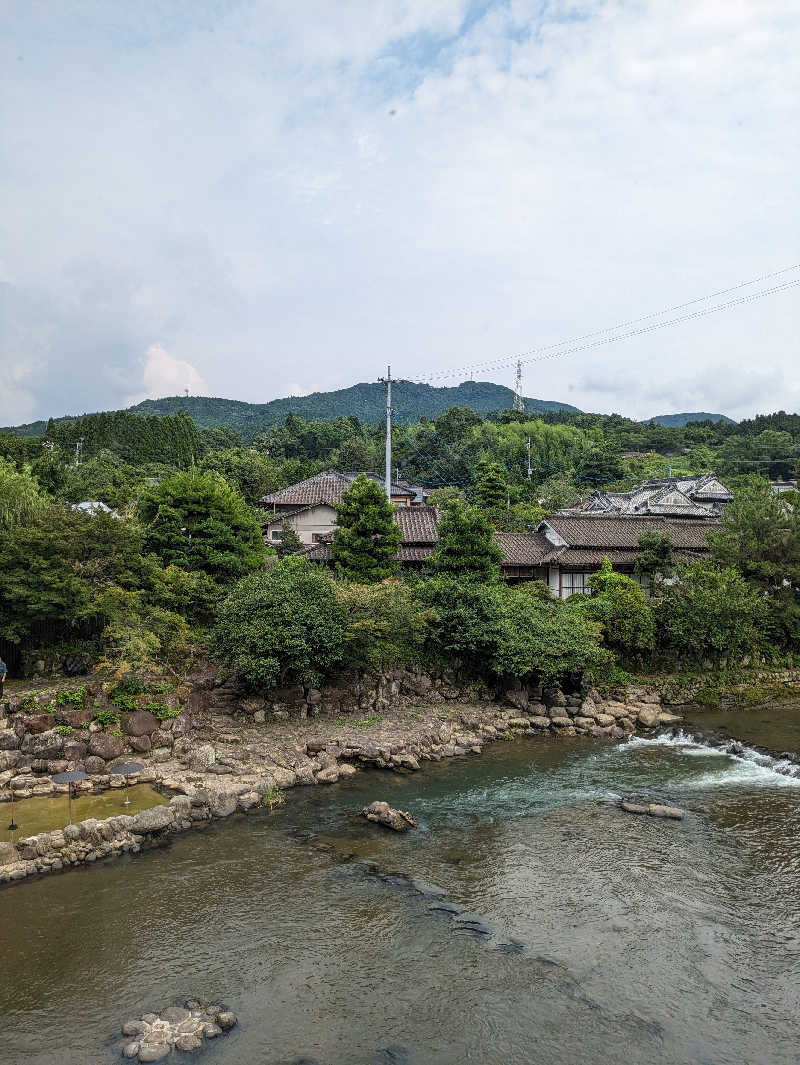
(519, 402)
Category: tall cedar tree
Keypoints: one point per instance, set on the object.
(490, 485)
(366, 538)
(289, 543)
(466, 547)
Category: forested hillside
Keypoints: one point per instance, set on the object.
(684, 419)
(367, 402)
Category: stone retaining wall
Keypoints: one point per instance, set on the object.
(316, 761)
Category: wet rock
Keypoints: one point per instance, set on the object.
(223, 803)
(226, 1020)
(131, 1050)
(154, 1051)
(665, 718)
(153, 820)
(648, 716)
(658, 810)
(634, 807)
(381, 813)
(471, 923)
(188, 1041)
(328, 776)
(427, 890)
(392, 1055)
(175, 1014)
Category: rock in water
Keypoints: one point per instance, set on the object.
(656, 809)
(384, 814)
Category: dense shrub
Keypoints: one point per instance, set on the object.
(622, 609)
(386, 624)
(710, 612)
(284, 626)
(491, 628)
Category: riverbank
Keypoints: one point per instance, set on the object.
(218, 754)
(221, 764)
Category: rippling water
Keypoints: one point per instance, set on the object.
(614, 938)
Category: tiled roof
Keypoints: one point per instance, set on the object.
(326, 487)
(624, 530)
(703, 495)
(524, 549)
(418, 524)
(581, 556)
(407, 553)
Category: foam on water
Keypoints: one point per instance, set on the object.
(749, 766)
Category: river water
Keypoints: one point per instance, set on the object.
(594, 936)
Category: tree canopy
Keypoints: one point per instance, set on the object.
(366, 538)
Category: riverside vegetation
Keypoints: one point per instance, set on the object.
(182, 569)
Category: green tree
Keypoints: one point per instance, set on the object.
(710, 612)
(466, 546)
(367, 538)
(21, 499)
(282, 626)
(491, 487)
(656, 555)
(289, 543)
(760, 537)
(248, 470)
(386, 624)
(198, 522)
(622, 608)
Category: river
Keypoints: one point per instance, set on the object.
(607, 938)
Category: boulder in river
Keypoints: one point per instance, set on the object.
(381, 813)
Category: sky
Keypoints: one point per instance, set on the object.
(259, 198)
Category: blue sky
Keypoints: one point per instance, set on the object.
(253, 199)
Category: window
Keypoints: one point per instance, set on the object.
(276, 534)
(573, 583)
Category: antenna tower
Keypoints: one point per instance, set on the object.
(519, 402)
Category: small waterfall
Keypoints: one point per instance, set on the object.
(749, 763)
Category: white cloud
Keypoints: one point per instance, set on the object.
(164, 375)
(293, 193)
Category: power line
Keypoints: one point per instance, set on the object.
(537, 354)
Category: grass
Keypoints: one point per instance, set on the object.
(363, 723)
(273, 797)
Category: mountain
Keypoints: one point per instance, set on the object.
(410, 402)
(673, 421)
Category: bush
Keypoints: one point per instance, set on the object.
(387, 624)
(106, 717)
(491, 628)
(73, 697)
(544, 640)
(711, 612)
(284, 626)
(623, 610)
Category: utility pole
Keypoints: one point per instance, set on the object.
(528, 448)
(387, 380)
(79, 452)
(519, 403)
